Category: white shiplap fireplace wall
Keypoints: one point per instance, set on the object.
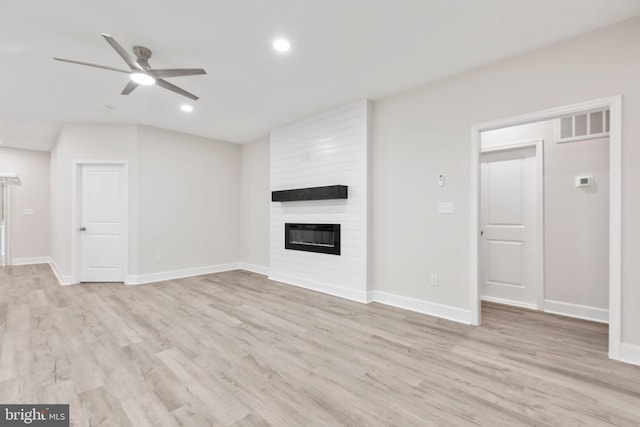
(329, 149)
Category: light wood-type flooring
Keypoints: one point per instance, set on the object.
(235, 349)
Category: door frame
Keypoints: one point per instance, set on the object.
(538, 144)
(7, 201)
(614, 104)
(76, 203)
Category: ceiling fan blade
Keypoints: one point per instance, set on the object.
(92, 65)
(129, 87)
(173, 88)
(176, 72)
(123, 53)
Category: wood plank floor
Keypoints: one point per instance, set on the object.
(235, 349)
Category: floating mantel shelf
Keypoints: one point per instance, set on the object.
(314, 193)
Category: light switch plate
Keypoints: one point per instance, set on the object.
(29, 211)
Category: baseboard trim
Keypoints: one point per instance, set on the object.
(336, 291)
(585, 312)
(421, 306)
(526, 305)
(30, 261)
(630, 353)
(62, 279)
(180, 274)
(254, 268)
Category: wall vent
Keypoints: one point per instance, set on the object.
(587, 125)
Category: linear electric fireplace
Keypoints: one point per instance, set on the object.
(323, 238)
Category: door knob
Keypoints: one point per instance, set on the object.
(83, 228)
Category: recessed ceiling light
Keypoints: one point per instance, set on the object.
(186, 108)
(281, 45)
(142, 79)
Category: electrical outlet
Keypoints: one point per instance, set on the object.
(160, 257)
(434, 279)
(445, 207)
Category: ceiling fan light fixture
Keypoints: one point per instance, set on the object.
(140, 72)
(142, 79)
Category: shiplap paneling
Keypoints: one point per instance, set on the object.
(328, 149)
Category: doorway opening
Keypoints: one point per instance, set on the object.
(7, 180)
(3, 235)
(612, 244)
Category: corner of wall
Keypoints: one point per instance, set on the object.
(370, 256)
(62, 279)
(630, 353)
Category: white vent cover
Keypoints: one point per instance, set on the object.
(588, 125)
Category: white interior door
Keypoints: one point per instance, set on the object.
(508, 223)
(102, 219)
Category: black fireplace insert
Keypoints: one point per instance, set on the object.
(323, 238)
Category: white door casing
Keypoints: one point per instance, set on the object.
(614, 104)
(509, 227)
(7, 180)
(5, 247)
(102, 223)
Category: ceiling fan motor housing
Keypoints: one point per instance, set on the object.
(142, 54)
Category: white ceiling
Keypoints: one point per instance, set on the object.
(342, 50)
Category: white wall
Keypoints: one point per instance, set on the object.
(329, 149)
(30, 237)
(184, 202)
(576, 220)
(255, 203)
(88, 142)
(426, 131)
(189, 201)
(577, 223)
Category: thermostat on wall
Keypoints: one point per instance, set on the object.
(584, 181)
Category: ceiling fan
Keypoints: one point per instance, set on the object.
(140, 72)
